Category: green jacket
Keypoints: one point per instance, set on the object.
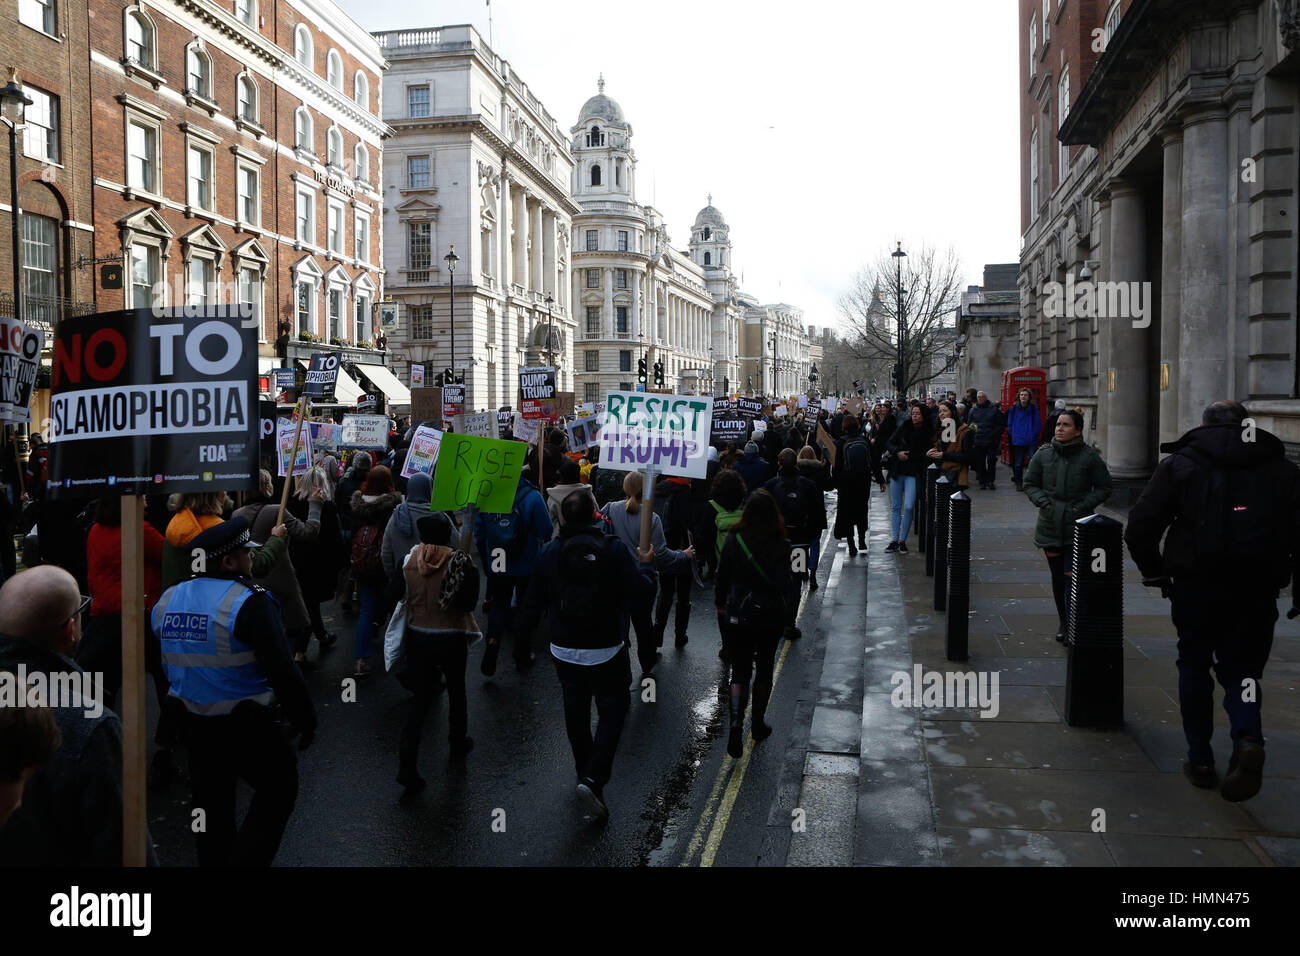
(1065, 481)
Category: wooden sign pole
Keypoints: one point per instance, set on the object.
(288, 481)
(18, 462)
(541, 442)
(647, 507)
(134, 829)
(467, 534)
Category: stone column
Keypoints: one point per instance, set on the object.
(607, 321)
(548, 253)
(506, 271)
(1128, 449)
(537, 276)
(520, 277)
(1204, 301)
(1171, 244)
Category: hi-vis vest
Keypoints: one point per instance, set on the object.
(209, 669)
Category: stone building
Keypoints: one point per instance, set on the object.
(774, 359)
(476, 163)
(988, 332)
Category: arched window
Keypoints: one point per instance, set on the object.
(302, 51)
(334, 70)
(334, 148)
(361, 90)
(1112, 21)
(246, 94)
(302, 129)
(361, 160)
(595, 137)
(708, 259)
(618, 173)
(140, 40)
(198, 72)
(595, 174)
(707, 233)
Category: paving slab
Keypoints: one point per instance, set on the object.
(991, 743)
(895, 820)
(1144, 849)
(997, 846)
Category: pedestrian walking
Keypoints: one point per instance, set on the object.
(1049, 426)
(752, 592)
(1230, 502)
(351, 482)
(316, 562)
(372, 507)
(674, 507)
(856, 467)
(1023, 427)
(797, 498)
(192, 514)
(726, 503)
(1066, 481)
(956, 456)
(588, 583)
(704, 531)
(569, 479)
(229, 661)
(819, 473)
(907, 462)
(988, 439)
(752, 467)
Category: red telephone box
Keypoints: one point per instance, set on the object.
(1013, 380)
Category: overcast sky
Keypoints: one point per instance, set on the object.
(825, 130)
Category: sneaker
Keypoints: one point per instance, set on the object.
(893, 547)
(411, 780)
(681, 640)
(328, 641)
(812, 584)
(1245, 771)
(363, 667)
(593, 798)
(760, 731)
(902, 547)
(735, 744)
(792, 634)
(1201, 775)
(489, 665)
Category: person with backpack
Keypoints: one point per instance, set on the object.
(674, 504)
(316, 562)
(907, 449)
(753, 467)
(508, 545)
(702, 516)
(726, 503)
(797, 498)
(372, 507)
(587, 583)
(1066, 481)
(1023, 426)
(440, 586)
(351, 482)
(1230, 501)
(856, 467)
(819, 473)
(751, 597)
(569, 475)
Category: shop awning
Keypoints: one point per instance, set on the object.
(346, 391)
(388, 383)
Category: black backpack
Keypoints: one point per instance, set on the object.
(857, 458)
(673, 511)
(793, 508)
(588, 581)
(1236, 519)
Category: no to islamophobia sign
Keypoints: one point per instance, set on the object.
(144, 403)
(20, 353)
(323, 376)
(666, 434)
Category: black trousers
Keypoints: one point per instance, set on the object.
(502, 592)
(1060, 586)
(670, 585)
(607, 684)
(101, 653)
(643, 626)
(249, 744)
(752, 652)
(426, 657)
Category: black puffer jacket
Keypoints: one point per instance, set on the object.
(914, 439)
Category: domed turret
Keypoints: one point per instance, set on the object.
(710, 246)
(601, 107)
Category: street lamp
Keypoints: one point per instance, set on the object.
(451, 259)
(774, 386)
(899, 255)
(13, 103)
(711, 371)
(645, 359)
(550, 332)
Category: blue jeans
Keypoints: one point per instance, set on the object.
(370, 598)
(1020, 454)
(902, 492)
(814, 552)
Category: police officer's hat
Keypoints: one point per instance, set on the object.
(222, 539)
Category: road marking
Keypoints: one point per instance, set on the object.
(732, 771)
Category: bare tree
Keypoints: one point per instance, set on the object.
(931, 295)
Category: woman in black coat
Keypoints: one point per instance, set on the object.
(317, 564)
(908, 460)
(856, 467)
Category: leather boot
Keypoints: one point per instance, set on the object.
(739, 699)
(758, 729)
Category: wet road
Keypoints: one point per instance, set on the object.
(511, 801)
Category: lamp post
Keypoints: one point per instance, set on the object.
(773, 395)
(899, 255)
(451, 259)
(711, 371)
(550, 332)
(645, 359)
(13, 102)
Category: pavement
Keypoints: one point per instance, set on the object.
(878, 784)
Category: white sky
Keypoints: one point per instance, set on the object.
(825, 130)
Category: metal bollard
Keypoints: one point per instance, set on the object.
(1094, 637)
(922, 510)
(958, 630)
(943, 488)
(931, 477)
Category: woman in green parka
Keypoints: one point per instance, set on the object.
(1066, 481)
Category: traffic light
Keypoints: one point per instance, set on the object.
(659, 374)
(640, 371)
(899, 381)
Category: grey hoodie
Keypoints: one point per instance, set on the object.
(402, 535)
(627, 527)
(554, 496)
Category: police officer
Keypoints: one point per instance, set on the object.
(229, 661)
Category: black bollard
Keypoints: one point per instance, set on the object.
(931, 477)
(943, 488)
(958, 630)
(1094, 636)
(919, 518)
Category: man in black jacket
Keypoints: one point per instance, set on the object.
(988, 438)
(587, 584)
(1231, 503)
(797, 497)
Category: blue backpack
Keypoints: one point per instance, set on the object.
(508, 531)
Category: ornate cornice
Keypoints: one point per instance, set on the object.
(1288, 22)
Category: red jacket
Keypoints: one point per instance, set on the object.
(104, 568)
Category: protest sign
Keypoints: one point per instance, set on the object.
(828, 444)
(579, 435)
(145, 404)
(564, 403)
(266, 428)
(854, 405)
(537, 400)
(780, 411)
(453, 401)
(285, 379)
(20, 354)
(423, 453)
(417, 376)
(524, 429)
(482, 425)
(749, 407)
(668, 434)
(367, 403)
(426, 405)
(284, 434)
(322, 376)
(364, 431)
(729, 429)
(505, 422)
(803, 401)
(325, 435)
(477, 471)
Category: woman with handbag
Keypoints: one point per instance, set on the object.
(752, 587)
(955, 456)
(372, 505)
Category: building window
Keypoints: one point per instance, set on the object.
(1033, 176)
(595, 137)
(595, 174)
(334, 70)
(361, 90)
(420, 247)
(246, 96)
(1033, 46)
(198, 73)
(249, 207)
(306, 293)
(139, 40)
(621, 277)
(334, 226)
(40, 235)
(199, 173)
(620, 319)
(622, 240)
(144, 275)
(334, 148)
(303, 134)
(361, 319)
(302, 51)
(421, 321)
(593, 278)
(1113, 17)
(591, 361)
(361, 240)
(625, 361)
(1063, 111)
(141, 157)
(593, 320)
(250, 286)
(37, 14)
(591, 392)
(618, 173)
(199, 285)
(335, 307)
(593, 240)
(41, 134)
(361, 163)
(1047, 21)
(417, 101)
(417, 172)
(305, 218)
(708, 259)
(245, 12)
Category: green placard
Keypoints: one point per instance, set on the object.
(481, 471)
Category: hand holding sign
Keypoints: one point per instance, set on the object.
(477, 471)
